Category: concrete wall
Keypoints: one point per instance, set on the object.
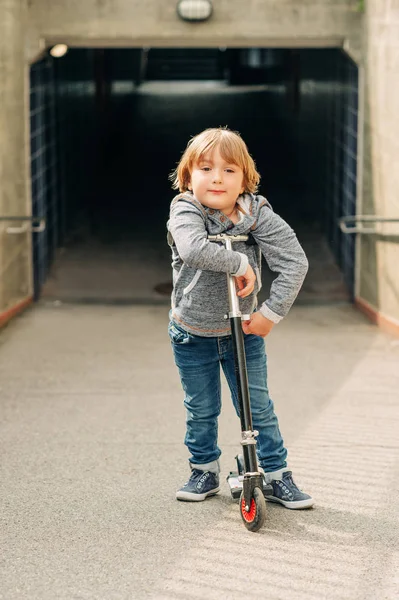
(28, 27)
(15, 250)
(379, 254)
(234, 22)
(285, 23)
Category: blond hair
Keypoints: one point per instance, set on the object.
(232, 148)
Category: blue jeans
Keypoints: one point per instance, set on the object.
(198, 360)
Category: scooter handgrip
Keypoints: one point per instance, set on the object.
(250, 241)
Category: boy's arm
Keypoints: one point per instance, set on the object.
(187, 226)
(285, 256)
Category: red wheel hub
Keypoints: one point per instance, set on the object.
(250, 515)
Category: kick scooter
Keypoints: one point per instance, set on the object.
(249, 481)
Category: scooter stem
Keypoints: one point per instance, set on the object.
(231, 286)
(248, 440)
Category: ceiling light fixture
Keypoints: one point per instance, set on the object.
(194, 10)
(59, 50)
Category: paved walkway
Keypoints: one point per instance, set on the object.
(92, 428)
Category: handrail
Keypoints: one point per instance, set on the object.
(41, 224)
(350, 224)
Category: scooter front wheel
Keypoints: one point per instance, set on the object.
(255, 517)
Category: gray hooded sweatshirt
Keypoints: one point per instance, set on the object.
(200, 297)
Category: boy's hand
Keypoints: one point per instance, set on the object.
(246, 282)
(258, 325)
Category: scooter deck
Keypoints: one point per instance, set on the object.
(235, 481)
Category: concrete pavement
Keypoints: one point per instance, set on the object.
(92, 428)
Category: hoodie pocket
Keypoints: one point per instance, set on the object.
(193, 282)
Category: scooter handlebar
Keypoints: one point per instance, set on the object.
(222, 237)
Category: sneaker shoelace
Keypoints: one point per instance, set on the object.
(292, 486)
(195, 476)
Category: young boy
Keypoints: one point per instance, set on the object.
(218, 181)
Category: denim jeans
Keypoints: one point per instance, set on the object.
(198, 360)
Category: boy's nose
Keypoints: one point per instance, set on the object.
(217, 178)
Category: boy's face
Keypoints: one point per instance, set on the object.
(215, 183)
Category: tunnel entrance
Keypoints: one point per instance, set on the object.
(108, 126)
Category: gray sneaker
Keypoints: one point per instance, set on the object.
(200, 485)
(286, 492)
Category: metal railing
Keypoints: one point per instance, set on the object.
(28, 224)
(354, 224)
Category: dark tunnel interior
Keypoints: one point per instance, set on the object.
(116, 122)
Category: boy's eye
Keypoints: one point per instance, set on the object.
(209, 168)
